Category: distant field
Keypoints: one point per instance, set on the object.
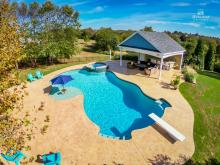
(204, 97)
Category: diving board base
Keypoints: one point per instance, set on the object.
(169, 129)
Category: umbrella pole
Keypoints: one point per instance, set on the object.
(63, 89)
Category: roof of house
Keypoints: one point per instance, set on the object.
(153, 41)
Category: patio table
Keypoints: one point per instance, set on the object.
(141, 66)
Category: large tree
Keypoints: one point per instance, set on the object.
(210, 58)
(11, 134)
(190, 46)
(87, 34)
(50, 30)
(199, 54)
(106, 39)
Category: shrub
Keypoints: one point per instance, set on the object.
(175, 82)
(190, 74)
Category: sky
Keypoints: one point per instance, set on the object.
(195, 16)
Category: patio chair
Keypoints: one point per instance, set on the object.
(15, 158)
(52, 159)
(131, 65)
(147, 72)
(38, 74)
(30, 77)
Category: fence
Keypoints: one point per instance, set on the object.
(75, 60)
(81, 59)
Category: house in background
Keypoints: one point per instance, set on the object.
(153, 44)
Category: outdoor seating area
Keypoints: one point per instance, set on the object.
(153, 55)
(38, 75)
(151, 66)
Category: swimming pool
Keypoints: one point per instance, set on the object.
(116, 106)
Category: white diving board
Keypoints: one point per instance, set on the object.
(170, 130)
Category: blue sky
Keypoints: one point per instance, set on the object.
(195, 16)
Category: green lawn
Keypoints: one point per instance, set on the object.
(204, 98)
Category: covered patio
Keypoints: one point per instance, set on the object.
(154, 48)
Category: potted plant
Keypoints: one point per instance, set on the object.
(175, 83)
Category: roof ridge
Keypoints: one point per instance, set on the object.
(147, 40)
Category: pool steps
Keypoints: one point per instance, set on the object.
(112, 137)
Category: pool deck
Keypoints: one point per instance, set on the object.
(72, 133)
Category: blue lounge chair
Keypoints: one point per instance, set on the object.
(52, 159)
(38, 74)
(30, 77)
(13, 158)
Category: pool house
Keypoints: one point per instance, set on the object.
(154, 47)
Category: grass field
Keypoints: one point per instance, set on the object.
(204, 97)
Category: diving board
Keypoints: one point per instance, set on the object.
(170, 130)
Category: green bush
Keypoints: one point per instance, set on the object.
(190, 74)
(175, 82)
(189, 77)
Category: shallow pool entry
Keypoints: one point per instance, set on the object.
(116, 106)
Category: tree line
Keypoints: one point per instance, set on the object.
(202, 52)
(49, 31)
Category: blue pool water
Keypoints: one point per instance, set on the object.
(116, 106)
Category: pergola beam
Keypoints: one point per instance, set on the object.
(161, 67)
(181, 61)
(120, 57)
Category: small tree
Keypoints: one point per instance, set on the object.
(210, 58)
(87, 34)
(190, 48)
(199, 54)
(106, 40)
(147, 29)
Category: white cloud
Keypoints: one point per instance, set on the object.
(97, 9)
(79, 3)
(215, 2)
(210, 27)
(181, 4)
(140, 4)
(203, 3)
(141, 20)
(173, 22)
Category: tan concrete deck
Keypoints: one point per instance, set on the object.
(72, 133)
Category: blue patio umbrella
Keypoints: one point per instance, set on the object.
(61, 80)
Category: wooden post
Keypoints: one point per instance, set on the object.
(181, 61)
(110, 54)
(120, 57)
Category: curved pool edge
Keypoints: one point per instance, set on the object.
(162, 99)
(146, 95)
(128, 82)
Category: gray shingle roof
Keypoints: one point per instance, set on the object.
(161, 41)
